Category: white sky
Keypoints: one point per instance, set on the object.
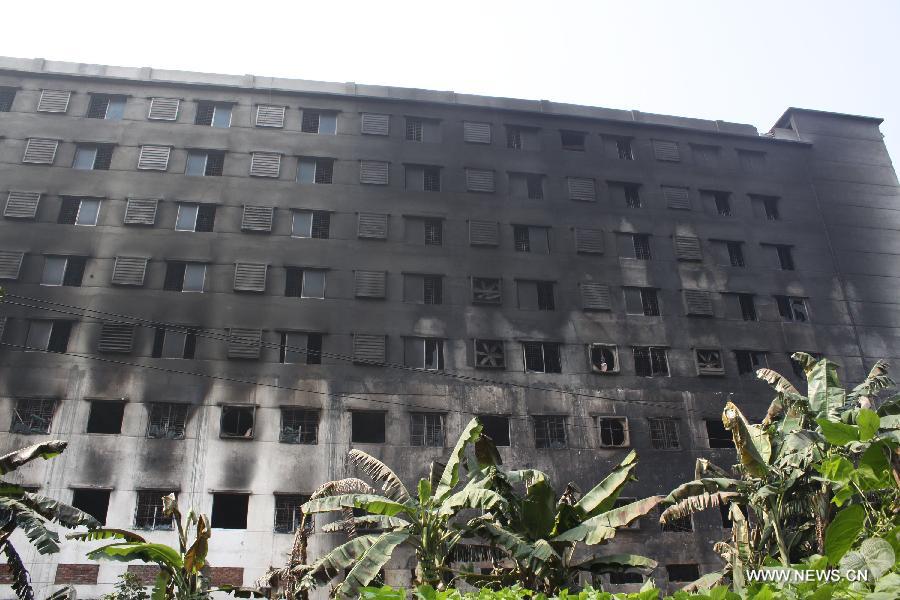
(743, 61)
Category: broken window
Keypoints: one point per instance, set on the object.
(531, 239)
(495, 427)
(184, 276)
(748, 361)
(735, 254)
(664, 433)
(195, 217)
(288, 514)
(213, 114)
(299, 426)
(78, 211)
(106, 416)
(48, 336)
(641, 243)
(680, 525)
(604, 358)
(7, 95)
(434, 232)
(300, 348)
(174, 342)
(783, 256)
(487, 290)
(315, 170)
(63, 270)
(613, 431)
(33, 415)
(311, 224)
(650, 361)
(237, 421)
(424, 353)
(623, 149)
(632, 195)
(709, 362)
(792, 309)
(205, 163)
(304, 283)
(747, 306)
(367, 427)
(689, 572)
(314, 121)
(549, 431)
(489, 354)
(770, 208)
(149, 513)
(717, 435)
(536, 295)
(541, 357)
(167, 420)
(426, 429)
(641, 301)
(93, 502)
(723, 203)
(573, 140)
(229, 511)
(93, 157)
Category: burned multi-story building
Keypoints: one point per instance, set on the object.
(217, 285)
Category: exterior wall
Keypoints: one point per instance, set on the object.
(801, 172)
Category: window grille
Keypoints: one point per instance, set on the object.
(33, 415)
(299, 426)
(549, 431)
(167, 421)
(664, 433)
(426, 429)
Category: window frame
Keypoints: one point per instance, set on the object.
(615, 351)
(653, 356)
(668, 429)
(428, 429)
(544, 346)
(626, 437)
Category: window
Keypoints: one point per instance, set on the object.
(748, 361)
(423, 289)
(184, 277)
(717, 435)
(101, 106)
(623, 149)
(515, 138)
(414, 129)
(214, 114)
(792, 309)
(195, 217)
(208, 163)
(78, 211)
(752, 161)
(535, 295)
(54, 101)
(632, 195)
(541, 357)
(423, 353)
(95, 157)
(173, 342)
(431, 179)
(48, 336)
(747, 307)
(40, 151)
(314, 121)
(426, 429)
(650, 361)
(785, 257)
(613, 431)
(641, 243)
(735, 254)
(531, 239)
(63, 270)
(489, 354)
(549, 431)
(304, 283)
(722, 202)
(495, 427)
(604, 358)
(237, 422)
(149, 512)
(709, 362)
(664, 433)
(7, 95)
(106, 416)
(689, 572)
(229, 511)
(93, 502)
(33, 415)
(487, 290)
(315, 170)
(311, 224)
(641, 301)
(770, 207)
(299, 426)
(288, 515)
(300, 348)
(367, 427)
(706, 156)
(167, 420)
(433, 232)
(423, 178)
(573, 140)
(625, 577)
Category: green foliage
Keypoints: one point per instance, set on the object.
(128, 587)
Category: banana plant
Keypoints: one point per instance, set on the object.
(810, 454)
(540, 531)
(424, 521)
(32, 514)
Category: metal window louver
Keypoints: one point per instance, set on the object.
(698, 303)
(687, 247)
(129, 270)
(479, 180)
(244, 343)
(374, 172)
(487, 290)
(40, 151)
(595, 296)
(257, 218)
(116, 338)
(373, 226)
(141, 211)
(709, 362)
(54, 101)
(265, 164)
(21, 205)
(10, 264)
(588, 241)
(154, 158)
(269, 116)
(375, 124)
(164, 109)
(677, 197)
(489, 354)
(666, 150)
(477, 133)
(250, 277)
(370, 284)
(582, 188)
(484, 233)
(368, 348)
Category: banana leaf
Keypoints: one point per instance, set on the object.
(374, 504)
(46, 450)
(379, 472)
(371, 561)
(603, 495)
(450, 476)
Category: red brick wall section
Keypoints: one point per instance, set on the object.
(227, 576)
(77, 574)
(5, 574)
(146, 574)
